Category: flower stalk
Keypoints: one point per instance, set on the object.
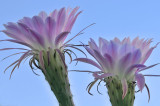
(56, 74)
(115, 92)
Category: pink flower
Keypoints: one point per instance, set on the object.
(123, 60)
(41, 33)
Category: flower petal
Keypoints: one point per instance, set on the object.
(149, 53)
(43, 15)
(140, 81)
(60, 20)
(19, 42)
(38, 24)
(60, 37)
(93, 44)
(112, 49)
(69, 27)
(125, 62)
(50, 27)
(136, 56)
(27, 21)
(109, 60)
(37, 37)
(89, 51)
(101, 60)
(54, 15)
(124, 87)
(89, 61)
(42, 61)
(138, 66)
(145, 68)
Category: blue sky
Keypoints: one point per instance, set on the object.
(120, 19)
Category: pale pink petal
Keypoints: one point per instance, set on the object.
(93, 44)
(124, 49)
(27, 21)
(19, 42)
(109, 59)
(10, 34)
(140, 81)
(124, 88)
(53, 15)
(60, 20)
(41, 61)
(125, 62)
(60, 37)
(38, 24)
(135, 41)
(132, 67)
(38, 38)
(145, 68)
(136, 56)
(117, 40)
(43, 15)
(148, 53)
(50, 27)
(70, 25)
(101, 60)
(89, 50)
(73, 12)
(102, 43)
(112, 49)
(89, 61)
(24, 29)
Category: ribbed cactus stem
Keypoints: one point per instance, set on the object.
(115, 92)
(57, 76)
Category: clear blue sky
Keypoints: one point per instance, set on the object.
(120, 19)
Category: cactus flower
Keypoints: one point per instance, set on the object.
(45, 35)
(120, 64)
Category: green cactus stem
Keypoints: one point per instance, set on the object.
(56, 74)
(115, 92)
